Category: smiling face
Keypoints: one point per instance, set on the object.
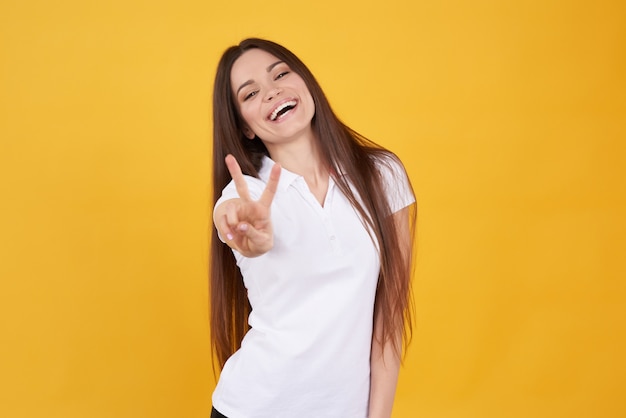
(274, 101)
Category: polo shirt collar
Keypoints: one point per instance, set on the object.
(286, 176)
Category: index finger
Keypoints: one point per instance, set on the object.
(270, 189)
(237, 175)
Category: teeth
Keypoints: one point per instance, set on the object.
(276, 111)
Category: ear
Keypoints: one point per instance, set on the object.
(248, 132)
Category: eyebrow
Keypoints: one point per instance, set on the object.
(268, 69)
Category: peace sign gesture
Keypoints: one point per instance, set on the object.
(246, 223)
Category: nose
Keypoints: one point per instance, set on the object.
(272, 93)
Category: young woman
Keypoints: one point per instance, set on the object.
(311, 252)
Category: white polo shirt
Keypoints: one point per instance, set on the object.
(307, 353)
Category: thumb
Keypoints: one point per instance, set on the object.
(261, 240)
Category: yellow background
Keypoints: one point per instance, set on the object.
(509, 116)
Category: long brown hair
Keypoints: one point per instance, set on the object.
(343, 150)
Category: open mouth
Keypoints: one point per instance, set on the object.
(282, 109)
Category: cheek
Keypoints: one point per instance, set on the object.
(247, 115)
(311, 104)
(307, 94)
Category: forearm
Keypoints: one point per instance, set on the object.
(385, 358)
(384, 369)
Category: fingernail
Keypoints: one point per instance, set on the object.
(243, 227)
(229, 236)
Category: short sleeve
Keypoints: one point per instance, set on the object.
(395, 183)
(255, 188)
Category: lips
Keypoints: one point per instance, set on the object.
(282, 109)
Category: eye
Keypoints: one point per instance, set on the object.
(281, 75)
(250, 95)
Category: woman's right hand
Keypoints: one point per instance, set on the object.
(244, 223)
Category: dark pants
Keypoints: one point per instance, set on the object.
(216, 414)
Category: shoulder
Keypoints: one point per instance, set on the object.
(389, 166)
(255, 188)
(394, 180)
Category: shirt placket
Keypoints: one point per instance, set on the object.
(323, 212)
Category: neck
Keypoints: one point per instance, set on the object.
(301, 157)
